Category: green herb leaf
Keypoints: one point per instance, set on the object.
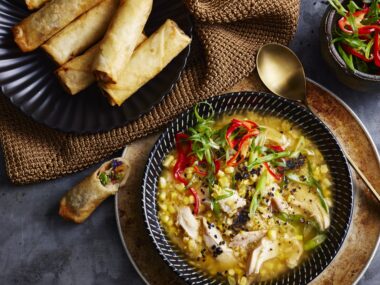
(256, 197)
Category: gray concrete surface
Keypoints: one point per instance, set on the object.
(37, 247)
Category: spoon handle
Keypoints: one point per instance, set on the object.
(362, 176)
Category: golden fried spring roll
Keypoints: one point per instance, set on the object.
(76, 75)
(82, 33)
(121, 39)
(78, 204)
(147, 61)
(35, 4)
(40, 26)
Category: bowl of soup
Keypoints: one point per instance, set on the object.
(247, 188)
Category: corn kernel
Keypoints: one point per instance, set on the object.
(224, 182)
(163, 207)
(171, 209)
(173, 195)
(189, 170)
(180, 186)
(186, 200)
(243, 281)
(191, 200)
(229, 170)
(220, 173)
(324, 169)
(299, 237)
(168, 160)
(326, 182)
(162, 182)
(162, 196)
(231, 272)
(272, 234)
(165, 218)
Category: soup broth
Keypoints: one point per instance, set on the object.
(245, 197)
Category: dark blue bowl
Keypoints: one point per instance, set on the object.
(266, 104)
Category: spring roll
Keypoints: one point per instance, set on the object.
(147, 61)
(76, 75)
(40, 26)
(78, 204)
(35, 4)
(82, 33)
(121, 39)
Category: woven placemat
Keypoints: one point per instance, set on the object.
(227, 36)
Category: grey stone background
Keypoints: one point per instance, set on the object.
(37, 247)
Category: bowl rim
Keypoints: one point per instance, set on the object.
(214, 99)
(329, 22)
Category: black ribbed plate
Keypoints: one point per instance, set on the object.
(312, 128)
(28, 79)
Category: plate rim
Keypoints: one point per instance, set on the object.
(356, 118)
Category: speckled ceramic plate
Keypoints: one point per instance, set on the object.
(28, 79)
(350, 262)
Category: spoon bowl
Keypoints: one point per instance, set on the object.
(282, 72)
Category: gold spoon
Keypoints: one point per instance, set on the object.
(282, 73)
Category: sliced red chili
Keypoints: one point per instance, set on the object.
(198, 171)
(236, 124)
(376, 49)
(183, 146)
(217, 165)
(345, 26)
(275, 175)
(356, 53)
(196, 200)
(277, 148)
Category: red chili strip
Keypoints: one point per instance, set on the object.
(376, 49)
(199, 171)
(358, 15)
(271, 172)
(277, 148)
(196, 200)
(356, 53)
(183, 147)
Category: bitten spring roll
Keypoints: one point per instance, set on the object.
(76, 75)
(81, 33)
(147, 61)
(40, 26)
(121, 39)
(78, 204)
(35, 4)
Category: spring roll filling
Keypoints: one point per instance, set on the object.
(113, 174)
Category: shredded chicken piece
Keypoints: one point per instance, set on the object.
(296, 253)
(188, 222)
(215, 243)
(231, 204)
(266, 250)
(308, 203)
(244, 238)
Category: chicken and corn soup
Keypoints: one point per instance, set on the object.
(245, 197)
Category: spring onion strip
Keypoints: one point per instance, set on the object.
(314, 242)
(257, 195)
(268, 158)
